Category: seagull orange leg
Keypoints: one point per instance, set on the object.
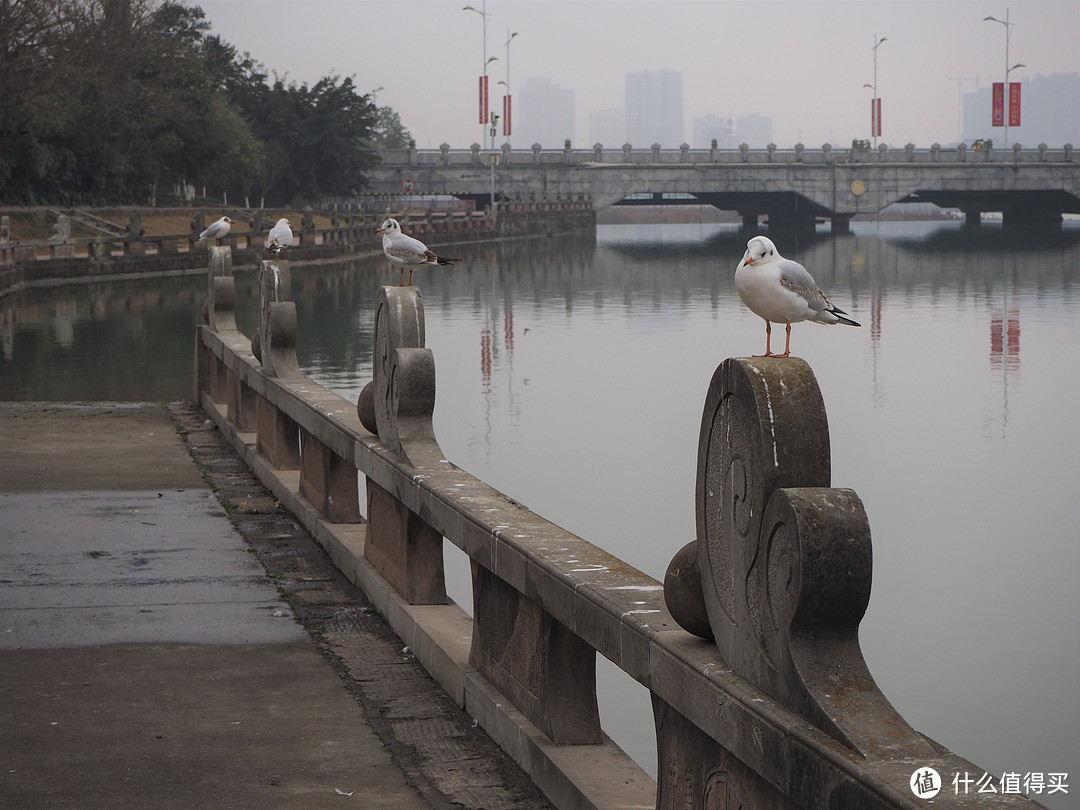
(768, 341)
(787, 341)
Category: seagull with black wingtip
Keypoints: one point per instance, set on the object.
(780, 290)
(406, 251)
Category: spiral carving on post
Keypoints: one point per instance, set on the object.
(221, 297)
(404, 384)
(277, 321)
(785, 559)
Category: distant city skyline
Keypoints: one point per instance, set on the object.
(1050, 114)
(802, 63)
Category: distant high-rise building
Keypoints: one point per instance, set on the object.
(720, 128)
(654, 108)
(1049, 112)
(545, 115)
(754, 130)
(608, 127)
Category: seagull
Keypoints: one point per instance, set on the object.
(280, 239)
(780, 290)
(216, 230)
(404, 250)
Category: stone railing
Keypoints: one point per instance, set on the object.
(627, 155)
(69, 257)
(779, 711)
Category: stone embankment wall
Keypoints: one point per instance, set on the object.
(129, 250)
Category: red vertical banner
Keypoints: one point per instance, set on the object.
(1014, 104)
(998, 117)
(506, 115)
(875, 117)
(484, 99)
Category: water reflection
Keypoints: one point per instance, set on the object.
(571, 374)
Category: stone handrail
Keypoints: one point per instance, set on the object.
(346, 230)
(599, 155)
(68, 257)
(779, 712)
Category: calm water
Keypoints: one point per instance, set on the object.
(572, 374)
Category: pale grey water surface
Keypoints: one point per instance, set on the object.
(571, 375)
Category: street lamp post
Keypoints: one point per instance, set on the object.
(484, 107)
(1008, 25)
(491, 159)
(507, 116)
(875, 110)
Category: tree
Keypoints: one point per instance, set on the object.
(390, 133)
(102, 100)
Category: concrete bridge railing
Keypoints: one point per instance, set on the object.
(794, 186)
(656, 155)
(779, 711)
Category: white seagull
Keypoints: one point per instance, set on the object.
(280, 239)
(216, 230)
(405, 251)
(780, 290)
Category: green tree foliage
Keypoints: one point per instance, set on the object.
(390, 133)
(105, 101)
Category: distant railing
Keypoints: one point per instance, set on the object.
(779, 712)
(67, 256)
(599, 155)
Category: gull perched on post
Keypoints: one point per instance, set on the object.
(216, 230)
(405, 251)
(781, 290)
(280, 239)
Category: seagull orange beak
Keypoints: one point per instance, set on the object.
(378, 230)
(749, 260)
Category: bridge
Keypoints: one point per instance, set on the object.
(749, 648)
(797, 185)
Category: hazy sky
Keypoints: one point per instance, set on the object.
(801, 62)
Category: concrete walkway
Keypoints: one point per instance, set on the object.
(146, 659)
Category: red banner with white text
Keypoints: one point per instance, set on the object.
(875, 117)
(998, 117)
(483, 99)
(506, 115)
(1014, 104)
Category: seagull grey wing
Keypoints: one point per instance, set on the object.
(795, 277)
(406, 254)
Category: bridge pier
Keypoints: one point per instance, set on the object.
(840, 223)
(972, 217)
(749, 221)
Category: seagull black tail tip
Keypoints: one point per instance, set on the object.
(446, 261)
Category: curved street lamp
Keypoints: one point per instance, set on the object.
(875, 112)
(484, 111)
(1008, 26)
(507, 125)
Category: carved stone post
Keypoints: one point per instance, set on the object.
(277, 321)
(785, 566)
(404, 549)
(221, 290)
(220, 315)
(278, 435)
